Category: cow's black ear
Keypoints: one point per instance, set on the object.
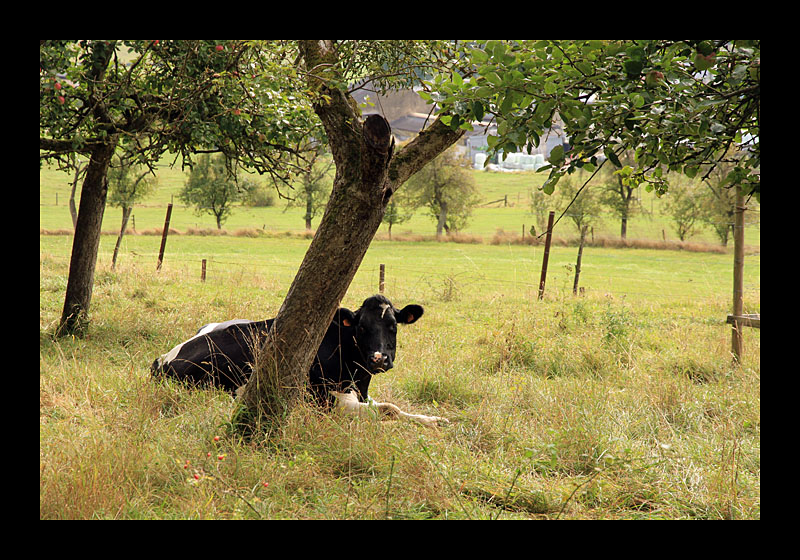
(345, 317)
(409, 314)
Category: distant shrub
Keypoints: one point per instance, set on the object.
(260, 196)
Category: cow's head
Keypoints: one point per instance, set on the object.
(375, 325)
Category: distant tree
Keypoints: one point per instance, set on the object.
(584, 209)
(447, 189)
(540, 206)
(716, 199)
(313, 182)
(620, 187)
(211, 189)
(257, 193)
(398, 211)
(683, 205)
(128, 183)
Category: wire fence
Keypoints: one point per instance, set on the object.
(650, 278)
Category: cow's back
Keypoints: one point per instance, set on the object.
(222, 355)
(221, 358)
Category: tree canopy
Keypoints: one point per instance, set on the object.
(241, 98)
(681, 105)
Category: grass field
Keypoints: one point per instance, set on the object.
(622, 403)
(486, 220)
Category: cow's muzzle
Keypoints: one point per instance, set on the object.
(379, 362)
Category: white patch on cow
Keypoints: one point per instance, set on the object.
(205, 330)
(384, 306)
(165, 359)
(348, 403)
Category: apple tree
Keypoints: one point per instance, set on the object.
(146, 98)
(680, 105)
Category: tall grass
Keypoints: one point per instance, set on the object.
(604, 406)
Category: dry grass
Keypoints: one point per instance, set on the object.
(575, 408)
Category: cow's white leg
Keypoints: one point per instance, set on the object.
(348, 403)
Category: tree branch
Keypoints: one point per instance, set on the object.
(428, 144)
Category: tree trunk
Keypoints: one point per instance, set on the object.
(126, 214)
(366, 178)
(442, 222)
(72, 210)
(578, 262)
(86, 241)
(309, 208)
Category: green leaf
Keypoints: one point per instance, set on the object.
(550, 185)
(477, 110)
(612, 157)
(479, 56)
(505, 105)
(556, 155)
(633, 68)
(493, 78)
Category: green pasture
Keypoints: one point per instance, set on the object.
(54, 190)
(621, 403)
(414, 269)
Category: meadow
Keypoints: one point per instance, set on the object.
(622, 403)
(489, 217)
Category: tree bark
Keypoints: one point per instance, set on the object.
(366, 177)
(86, 241)
(442, 221)
(126, 214)
(578, 262)
(73, 211)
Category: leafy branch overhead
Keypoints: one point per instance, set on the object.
(239, 98)
(683, 106)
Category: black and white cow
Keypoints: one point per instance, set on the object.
(356, 346)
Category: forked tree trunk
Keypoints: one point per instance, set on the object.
(366, 177)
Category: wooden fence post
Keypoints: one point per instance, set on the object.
(737, 342)
(546, 253)
(381, 281)
(203, 272)
(164, 236)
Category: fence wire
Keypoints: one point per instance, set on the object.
(646, 282)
